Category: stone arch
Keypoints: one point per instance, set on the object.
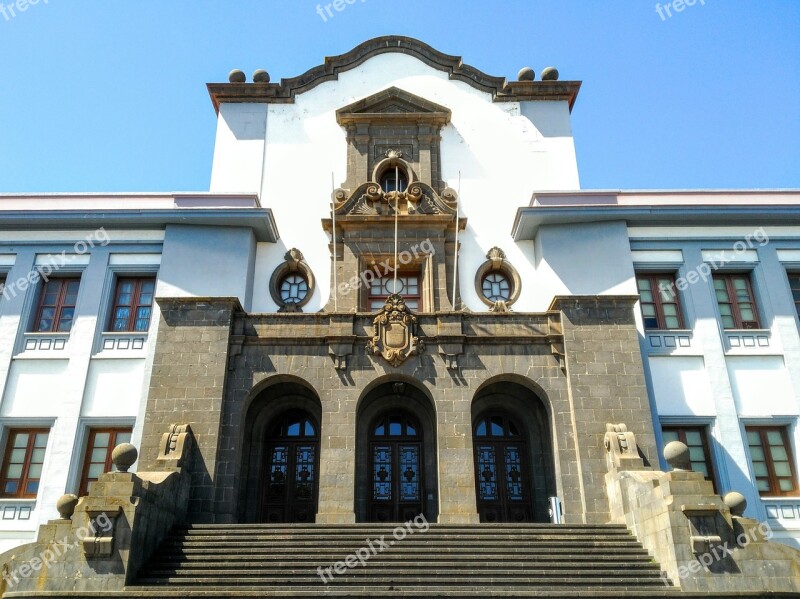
(268, 402)
(523, 400)
(396, 394)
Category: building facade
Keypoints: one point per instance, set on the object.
(395, 300)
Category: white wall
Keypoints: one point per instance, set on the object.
(761, 386)
(682, 386)
(113, 388)
(239, 148)
(503, 150)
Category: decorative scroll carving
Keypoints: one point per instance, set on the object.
(623, 452)
(175, 445)
(370, 199)
(395, 333)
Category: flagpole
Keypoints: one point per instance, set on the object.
(333, 235)
(396, 212)
(455, 251)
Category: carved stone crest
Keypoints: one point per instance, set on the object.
(394, 333)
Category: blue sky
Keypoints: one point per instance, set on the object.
(110, 96)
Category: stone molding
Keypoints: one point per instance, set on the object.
(498, 87)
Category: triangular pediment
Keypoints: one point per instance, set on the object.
(390, 104)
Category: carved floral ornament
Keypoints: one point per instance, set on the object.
(394, 337)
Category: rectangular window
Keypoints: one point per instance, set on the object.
(659, 300)
(737, 306)
(22, 463)
(773, 466)
(102, 442)
(133, 304)
(57, 306)
(794, 285)
(696, 440)
(407, 285)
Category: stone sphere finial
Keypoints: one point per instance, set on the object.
(237, 76)
(526, 74)
(123, 456)
(677, 455)
(550, 74)
(66, 505)
(260, 76)
(736, 503)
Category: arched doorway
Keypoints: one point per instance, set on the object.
(501, 470)
(279, 472)
(396, 453)
(396, 474)
(290, 487)
(514, 472)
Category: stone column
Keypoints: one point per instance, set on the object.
(606, 383)
(187, 386)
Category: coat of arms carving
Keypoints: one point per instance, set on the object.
(394, 332)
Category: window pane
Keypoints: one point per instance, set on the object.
(20, 439)
(99, 455)
(14, 471)
(102, 439)
(35, 471)
(95, 470)
(123, 437)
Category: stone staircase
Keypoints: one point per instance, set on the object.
(527, 560)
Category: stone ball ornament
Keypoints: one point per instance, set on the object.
(677, 455)
(550, 74)
(237, 76)
(260, 76)
(736, 502)
(123, 456)
(66, 505)
(526, 74)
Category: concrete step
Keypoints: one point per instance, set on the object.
(413, 581)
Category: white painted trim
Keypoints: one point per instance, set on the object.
(8, 259)
(722, 257)
(134, 259)
(60, 260)
(43, 237)
(657, 256)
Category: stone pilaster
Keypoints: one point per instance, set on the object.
(187, 386)
(606, 384)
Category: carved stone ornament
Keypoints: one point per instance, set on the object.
(394, 335)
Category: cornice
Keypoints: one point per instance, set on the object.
(498, 87)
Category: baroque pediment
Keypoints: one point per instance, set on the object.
(418, 199)
(391, 104)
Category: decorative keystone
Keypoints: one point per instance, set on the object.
(677, 455)
(66, 506)
(736, 503)
(123, 456)
(237, 76)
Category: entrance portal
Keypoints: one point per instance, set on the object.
(396, 464)
(502, 475)
(290, 482)
(396, 467)
(514, 472)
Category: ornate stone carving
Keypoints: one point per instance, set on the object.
(623, 452)
(294, 263)
(370, 199)
(394, 333)
(175, 445)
